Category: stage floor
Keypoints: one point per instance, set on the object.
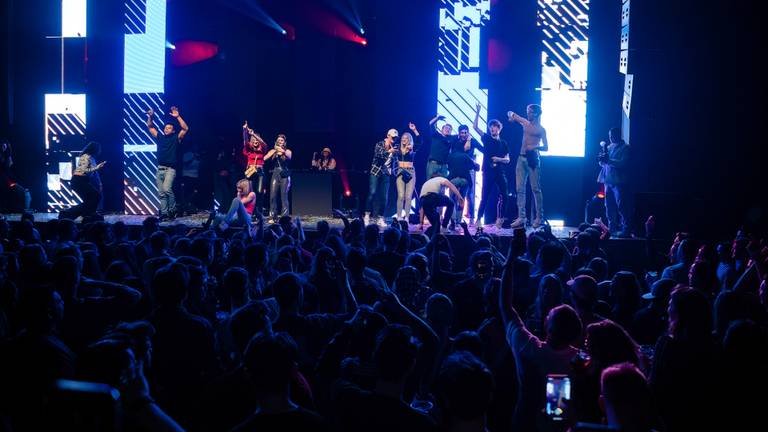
(309, 222)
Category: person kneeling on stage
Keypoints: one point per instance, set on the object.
(324, 162)
(240, 210)
(83, 184)
(432, 196)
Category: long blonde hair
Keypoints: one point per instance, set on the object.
(246, 185)
(410, 141)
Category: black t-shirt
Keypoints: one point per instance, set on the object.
(460, 164)
(458, 146)
(441, 146)
(493, 147)
(167, 146)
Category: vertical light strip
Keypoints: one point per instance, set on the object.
(564, 26)
(458, 76)
(73, 18)
(144, 85)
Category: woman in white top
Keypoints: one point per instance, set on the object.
(82, 183)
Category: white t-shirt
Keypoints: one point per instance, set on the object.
(433, 185)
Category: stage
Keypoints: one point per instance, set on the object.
(309, 222)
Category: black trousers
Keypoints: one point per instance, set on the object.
(496, 178)
(88, 193)
(430, 202)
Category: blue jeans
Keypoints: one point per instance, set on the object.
(462, 185)
(617, 207)
(436, 167)
(378, 189)
(236, 210)
(165, 177)
(522, 173)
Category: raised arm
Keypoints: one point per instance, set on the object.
(150, 124)
(506, 296)
(182, 123)
(512, 117)
(435, 119)
(475, 125)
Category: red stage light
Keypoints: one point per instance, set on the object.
(348, 193)
(189, 52)
(363, 42)
(601, 195)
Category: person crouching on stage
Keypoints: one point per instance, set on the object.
(433, 196)
(325, 162)
(281, 177)
(240, 210)
(406, 174)
(83, 184)
(254, 149)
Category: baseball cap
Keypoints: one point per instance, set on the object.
(583, 287)
(660, 289)
(327, 150)
(392, 133)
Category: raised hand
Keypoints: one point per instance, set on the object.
(478, 106)
(174, 112)
(150, 112)
(412, 126)
(100, 165)
(245, 125)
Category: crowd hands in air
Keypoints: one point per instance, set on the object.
(356, 329)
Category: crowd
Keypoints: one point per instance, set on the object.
(362, 330)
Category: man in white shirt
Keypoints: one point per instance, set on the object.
(432, 196)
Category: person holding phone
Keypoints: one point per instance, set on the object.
(281, 177)
(405, 177)
(83, 183)
(254, 149)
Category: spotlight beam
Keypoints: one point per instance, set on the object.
(252, 10)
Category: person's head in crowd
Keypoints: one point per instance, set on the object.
(337, 244)
(138, 335)
(323, 264)
(288, 293)
(445, 261)
(323, 228)
(702, 276)
(583, 293)
(26, 232)
(202, 249)
(286, 259)
(731, 306)
(286, 223)
(420, 262)
(181, 246)
(117, 272)
(247, 321)
(707, 253)
(407, 286)
(170, 285)
(739, 249)
(234, 287)
(366, 324)
(149, 226)
(464, 386)
(256, 257)
(550, 257)
(285, 240)
(235, 256)
(745, 346)
(585, 243)
(600, 267)
(51, 231)
(120, 231)
(583, 227)
(550, 294)
(481, 265)
(686, 252)
(585, 271)
(394, 354)
(608, 343)
(625, 291)
(356, 227)
(390, 238)
(483, 243)
(69, 249)
(28, 217)
(371, 237)
(596, 233)
(690, 316)
(270, 362)
(356, 261)
(439, 311)
(41, 308)
(625, 398)
(159, 243)
(33, 264)
(468, 341)
(659, 294)
(723, 250)
(99, 233)
(563, 327)
(91, 264)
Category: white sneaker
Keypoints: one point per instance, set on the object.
(518, 223)
(536, 223)
(367, 218)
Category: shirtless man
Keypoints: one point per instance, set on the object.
(528, 164)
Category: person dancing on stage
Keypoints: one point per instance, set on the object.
(442, 141)
(529, 164)
(494, 173)
(83, 183)
(465, 143)
(167, 148)
(378, 180)
(281, 177)
(406, 174)
(254, 149)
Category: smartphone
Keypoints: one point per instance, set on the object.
(558, 395)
